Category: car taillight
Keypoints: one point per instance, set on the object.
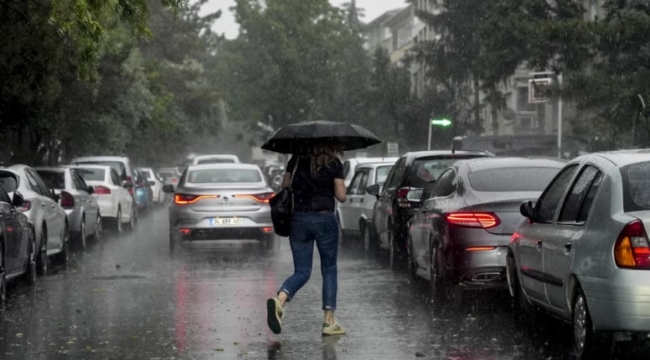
(402, 197)
(632, 248)
(174, 180)
(184, 199)
(27, 205)
(262, 198)
(102, 190)
(67, 200)
(474, 220)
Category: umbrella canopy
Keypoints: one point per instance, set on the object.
(293, 138)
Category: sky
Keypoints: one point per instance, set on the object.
(227, 25)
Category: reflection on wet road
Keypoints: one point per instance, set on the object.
(129, 298)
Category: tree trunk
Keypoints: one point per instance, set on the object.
(477, 106)
(495, 122)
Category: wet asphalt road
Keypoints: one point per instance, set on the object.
(128, 298)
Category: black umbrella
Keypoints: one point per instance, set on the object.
(293, 138)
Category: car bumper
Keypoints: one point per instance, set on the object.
(620, 303)
(107, 206)
(198, 226)
(479, 258)
(74, 219)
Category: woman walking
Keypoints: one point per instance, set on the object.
(317, 181)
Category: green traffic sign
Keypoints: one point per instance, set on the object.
(441, 122)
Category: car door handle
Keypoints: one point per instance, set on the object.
(568, 246)
(539, 244)
(361, 200)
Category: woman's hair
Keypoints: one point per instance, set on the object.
(323, 154)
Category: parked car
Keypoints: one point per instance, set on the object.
(76, 198)
(350, 165)
(459, 236)
(583, 252)
(115, 203)
(215, 159)
(17, 242)
(221, 201)
(121, 165)
(393, 210)
(355, 214)
(155, 183)
(43, 211)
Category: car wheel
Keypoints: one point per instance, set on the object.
(411, 266)
(43, 259)
(367, 246)
(437, 282)
(118, 222)
(132, 219)
(587, 343)
(82, 235)
(31, 265)
(64, 257)
(97, 235)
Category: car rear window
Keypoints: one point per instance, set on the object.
(53, 179)
(9, 181)
(425, 170)
(215, 161)
(166, 174)
(512, 179)
(636, 186)
(206, 176)
(89, 174)
(146, 174)
(119, 167)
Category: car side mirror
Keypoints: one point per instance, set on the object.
(90, 190)
(528, 210)
(168, 189)
(127, 184)
(18, 200)
(373, 190)
(415, 195)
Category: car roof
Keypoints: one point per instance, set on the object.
(375, 164)
(373, 159)
(89, 166)
(621, 158)
(50, 168)
(216, 156)
(478, 164)
(101, 158)
(223, 166)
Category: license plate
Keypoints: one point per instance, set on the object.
(226, 221)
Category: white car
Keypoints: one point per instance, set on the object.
(49, 219)
(215, 159)
(350, 165)
(114, 200)
(356, 213)
(155, 183)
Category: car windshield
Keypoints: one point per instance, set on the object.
(53, 179)
(512, 179)
(215, 161)
(206, 176)
(636, 186)
(118, 166)
(90, 174)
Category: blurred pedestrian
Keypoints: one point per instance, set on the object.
(318, 180)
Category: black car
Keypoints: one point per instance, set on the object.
(459, 236)
(393, 210)
(17, 242)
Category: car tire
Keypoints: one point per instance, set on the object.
(367, 240)
(64, 256)
(588, 344)
(3, 277)
(119, 229)
(437, 281)
(82, 235)
(524, 311)
(410, 261)
(97, 235)
(43, 259)
(132, 220)
(31, 265)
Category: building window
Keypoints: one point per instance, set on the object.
(522, 100)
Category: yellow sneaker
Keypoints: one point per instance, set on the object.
(274, 314)
(334, 329)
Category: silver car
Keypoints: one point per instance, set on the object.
(220, 201)
(76, 198)
(583, 252)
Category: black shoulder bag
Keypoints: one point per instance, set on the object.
(282, 207)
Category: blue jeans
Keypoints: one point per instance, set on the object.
(305, 229)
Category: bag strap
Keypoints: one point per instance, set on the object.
(293, 174)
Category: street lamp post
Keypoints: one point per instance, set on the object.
(436, 122)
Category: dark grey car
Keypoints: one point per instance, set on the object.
(459, 236)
